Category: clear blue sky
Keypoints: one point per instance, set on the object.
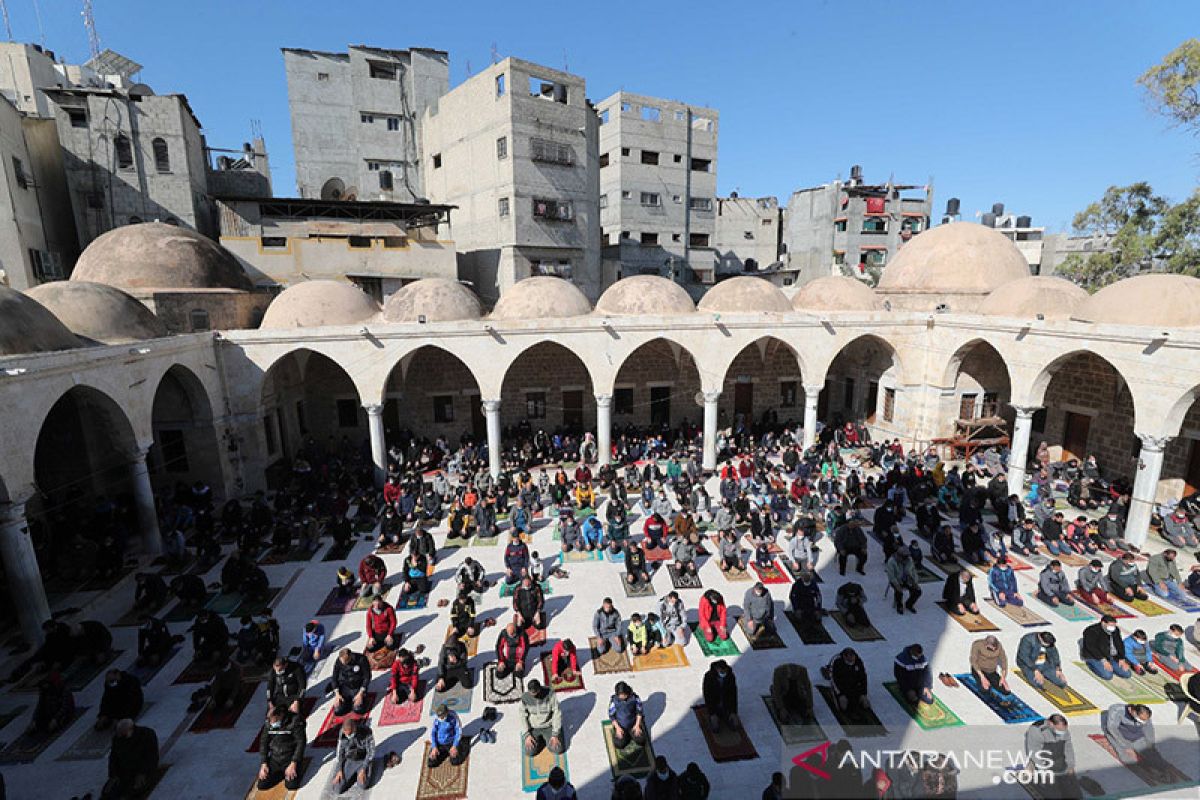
(1030, 103)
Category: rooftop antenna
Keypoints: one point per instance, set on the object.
(566, 66)
(7, 22)
(468, 68)
(89, 22)
(37, 12)
(495, 54)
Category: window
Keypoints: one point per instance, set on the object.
(626, 107)
(912, 224)
(787, 394)
(702, 124)
(603, 160)
(78, 117)
(626, 234)
(766, 222)
(651, 199)
(393, 123)
(751, 265)
(535, 405)
(124, 151)
(359, 242)
(626, 194)
(547, 89)
(676, 198)
(162, 155)
(875, 258)
(395, 242)
(443, 408)
(385, 180)
(501, 84)
(675, 237)
(625, 151)
(553, 209)
(623, 401)
(502, 206)
(651, 114)
(322, 76)
(839, 225)
(649, 157)
(604, 117)
(553, 268)
(273, 242)
(701, 204)
(649, 239)
(678, 158)
(19, 173)
(848, 395)
(991, 405)
(679, 117)
(373, 166)
(347, 413)
(173, 449)
(551, 152)
(199, 319)
(875, 225)
(437, 160)
(889, 404)
(698, 240)
(502, 148)
(382, 71)
(366, 118)
(701, 165)
(839, 257)
(603, 201)
(747, 234)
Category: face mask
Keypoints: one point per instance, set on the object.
(1059, 733)
(112, 684)
(1111, 628)
(722, 673)
(276, 726)
(662, 776)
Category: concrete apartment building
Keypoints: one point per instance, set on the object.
(851, 227)
(658, 188)
(377, 246)
(356, 120)
(515, 149)
(749, 239)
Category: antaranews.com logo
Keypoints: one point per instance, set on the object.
(1008, 767)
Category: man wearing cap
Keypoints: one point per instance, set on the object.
(446, 738)
(1038, 659)
(541, 719)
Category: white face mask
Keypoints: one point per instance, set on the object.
(662, 776)
(1110, 628)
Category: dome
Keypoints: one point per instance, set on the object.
(959, 258)
(650, 295)
(541, 297)
(154, 255)
(98, 313)
(1161, 299)
(438, 299)
(26, 326)
(745, 293)
(1053, 298)
(316, 304)
(836, 293)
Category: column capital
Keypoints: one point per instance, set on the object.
(813, 388)
(138, 454)
(1155, 444)
(712, 396)
(604, 400)
(1025, 412)
(491, 406)
(373, 409)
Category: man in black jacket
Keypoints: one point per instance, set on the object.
(122, 698)
(132, 762)
(210, 638)
(281, 748)
(959, 593)
(452, 665)
(351, 676)
(1103, 650)
(286, 683)
(848, 675)
(720, 696)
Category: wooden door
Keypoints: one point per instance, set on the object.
(1075, 436)
(572, 400)
(743, 400)
(872, 400)
(478, 422)
(1191, 478)
(660, 406)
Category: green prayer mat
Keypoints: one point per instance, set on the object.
(928, 716)
(717, 648)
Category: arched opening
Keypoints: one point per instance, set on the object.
(123, 151)
(162, 154)
(862, 385)
(431, 394)
(186, 449)
(1181, 459)
(656, 389)
(547, 388)
(975, 403)
(762, 388)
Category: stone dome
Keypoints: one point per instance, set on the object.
(958, 258)
(26, 326)
(745, 294)
(1160, 299)
(836, 293)
(649, 295)
(1052, 297)
(98, 313)
(316, 304)
(154, 255)
(541, 297)
(438, 299)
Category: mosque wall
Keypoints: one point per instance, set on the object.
(1089, 387)
(548, 385)
(656, 369)
(434, 394)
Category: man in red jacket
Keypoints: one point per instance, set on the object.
(712, 616)
(655, 530)
(564, 664)
(406, 673)
(371, 574)
(510, 651)
(381, 625)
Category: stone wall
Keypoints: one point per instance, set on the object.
(659, 363)
(765, 365)
(429, 373)
(551, 369)
(1087, 384)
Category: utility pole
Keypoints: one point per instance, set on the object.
(7, 21)
(89, 22)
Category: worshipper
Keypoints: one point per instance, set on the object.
(672, 620)
(570, 535)
(255, 585)
(1038, 659)
(592, 533)
(941, 549)
(462, 615)
(1048, 742)
(415, 582)
(791, 691)
(355, 759)
(511, 646)
(286, 682)
(805, 599)
(222, 691)
(1168, 649)
(391, 526)
(799, 549)
(637, 572)
(154, 642)
(625, 713)
(712, 616)
(150, 594)
(759, 608)
(541, 720)
(730, 552)
(234, 571)
(902, 577)
(684, 551)
(405, 678)
(345, 583)
(1139, 653)
(774, 790)
(380, 625)
(637, 635)
(1023, 537)
(606, 627)
(848, 676)
(662, 783)
(654, 530)
(618, 525)
(529, 605)
(1103, 650)
(1124, 578)
(911, 671)
(471, 577)
(557, 787)
(55, 705)
(1089, 583)
(516, 560)
(1130, 732)
(1052, 535)
(372, 573)
(959, 593)
(851, 600)
(191, 591)
(446, 738)
(1178, 529)
(693, 784)
(312, 644)
(351, 677)
(849, 540)
(564, 661)
(1110, 532)
(989, 664)
(974, 545)
(210, 638)
(422, 544)
(452, 665)
(281, 750)
(1053, 587)
(122, 699)
(1002, 584)
(132, 761)
(1162, 574)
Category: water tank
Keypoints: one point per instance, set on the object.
(1024, 221)
(988, 220)
(998, 209)
(856, 173)
(952, 206)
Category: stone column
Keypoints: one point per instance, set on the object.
(143, 498)
(603, 429)
(1145, 486)
(378, 441)
(812, 395)
(491, 413)
(1018, 455)
(21, 569)
(710, 429)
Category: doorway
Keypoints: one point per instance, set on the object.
(743, 401)
(872, 401)
(572, 400)
(1191, 479)
(478, 423)
(1075, 436)
(660, 406)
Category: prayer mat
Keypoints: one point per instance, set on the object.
(77, 676)
(412, 602)
(1075, 613)
(249, 608)
(196, 673)
(717, 648)
(1171, 673)
(661, 658)
(336, 603)
(926, 575)
(860, 722)
(276, 556)
(1018, 614)
(737, 576)
(794, 571)
(867, 634)
(561, 684)
(407, 713)
(1189, 605)
(380, 659)
(1011, 709)
(28, 746)
(133, 617)
(455, 542)
(1067, 560)
(457, 698)
(1017, 564)
(794, 733)
(683, 580)
(328, 735)
(506, 589)
(577, 556)
(634, 760)
(535, 635)
(950, 567)
(765, 640)
(1110, 608)
(1158, 683)
(657, 554)
(145, 674)
(183, 613)
(10, 714)
(535, 770)
(974, 623)
(472, 642)
(224, 604)
(809, 634)
(1065, 699)
(213, 718)
(485, 541)
(609, 663)
(338, 552)
(307, 705)
(391, 550)
(771, 574)
(443, 782)
(93, 745)
(1147, 608)
(637, 589)
(1151, 778)
(616, 558)
(1128, 689)
(1037, 560)
(278, 791)
(729, 744)
(930, 716)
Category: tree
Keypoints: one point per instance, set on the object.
(1173, 86)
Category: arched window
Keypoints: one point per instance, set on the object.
(135, 220)
(124, 151)
(200, 320)
(162, 155)
(751, 265)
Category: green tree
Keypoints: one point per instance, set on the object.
(1126, 221)
(1173, 86)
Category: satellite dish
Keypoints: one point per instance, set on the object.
(699, 399)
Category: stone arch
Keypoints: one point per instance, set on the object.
(863, 382)
(549, 387)
(431, 392)
(1181, 457)
(185, 437)
(764, 376)
(976, 384)
(655, 385)
(308, 401)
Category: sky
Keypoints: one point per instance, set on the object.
(1032, 104)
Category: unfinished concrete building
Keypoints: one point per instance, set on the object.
(356, 119)
(658, 188)
(514, 148)
(749, 239)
